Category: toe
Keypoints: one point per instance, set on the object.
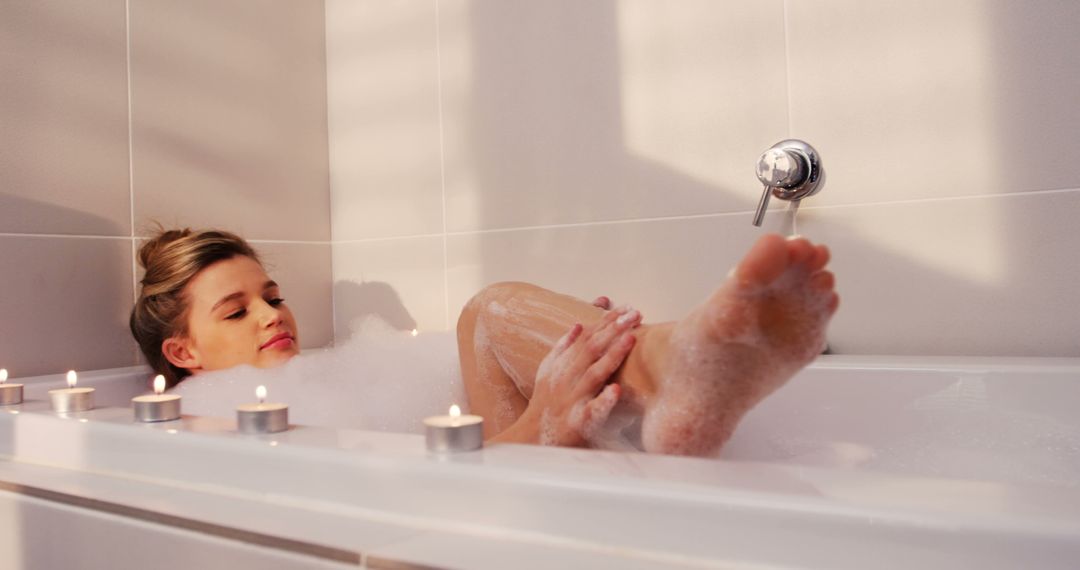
(820, 258)
(765, 261)
(800, 251)
(834, 302)
(823, 281)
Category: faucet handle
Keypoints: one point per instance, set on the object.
(790, 170)
(781, 168)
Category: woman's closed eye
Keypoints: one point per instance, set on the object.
(276, 301)
(239, 314)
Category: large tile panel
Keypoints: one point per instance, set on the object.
(229, 116)
(663, 268)
(383, 103)
(925, 99)
(65, 305)
(978, 276)
(64, 117)
(304, 273)
(398, 280)
(566, 111)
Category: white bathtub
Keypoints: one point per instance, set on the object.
(857, 463)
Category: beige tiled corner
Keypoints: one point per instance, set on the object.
(229, 116)
(663, 268)
(566, 111)
(926, 99)
(975, 276)
(64, 111)
(399, 280)
(383, 103)
(65, 305)
(303, 271)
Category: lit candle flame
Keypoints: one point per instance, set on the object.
(260, 393)
(72, 378)
(415, 332)
(3, 375)
(455, 411)
(159, 384)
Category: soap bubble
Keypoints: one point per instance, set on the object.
(381, 379)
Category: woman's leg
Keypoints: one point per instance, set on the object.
(503, 334)
(693, 379)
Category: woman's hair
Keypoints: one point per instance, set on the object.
(171, 260)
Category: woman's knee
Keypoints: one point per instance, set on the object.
(488, 301)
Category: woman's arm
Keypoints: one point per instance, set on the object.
(572, 399)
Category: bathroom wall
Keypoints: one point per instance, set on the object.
(608, 147)
(116, 115)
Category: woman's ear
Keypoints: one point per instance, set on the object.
(178, 352)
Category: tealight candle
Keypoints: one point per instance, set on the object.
(262, 417)
(454, 432)
(72, 399)
(157, 407)
(9, 393)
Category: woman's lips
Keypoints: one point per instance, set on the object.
(283, 340)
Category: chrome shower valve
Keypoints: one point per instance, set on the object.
(790, 170)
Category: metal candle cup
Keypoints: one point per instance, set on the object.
(10, 394)
(72, 399)
(262, 417)
(157, 407)
(454, 433)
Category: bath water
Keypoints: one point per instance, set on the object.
(382, 379)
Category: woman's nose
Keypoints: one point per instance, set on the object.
(271, 316)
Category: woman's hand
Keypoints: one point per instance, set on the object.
(570, 401)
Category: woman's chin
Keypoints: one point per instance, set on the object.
(271, 359)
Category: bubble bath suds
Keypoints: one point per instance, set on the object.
(382, 379)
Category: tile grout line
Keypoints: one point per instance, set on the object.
(1021, 194)
(131, 155)
(442, 167)
(135, 238)
(704, 216)
(329, 176)
(787, 65)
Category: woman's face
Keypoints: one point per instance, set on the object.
(235, 316)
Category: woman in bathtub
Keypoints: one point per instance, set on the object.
(541, 367)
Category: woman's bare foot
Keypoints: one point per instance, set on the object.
(764, 324)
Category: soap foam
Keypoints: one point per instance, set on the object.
(382, 379)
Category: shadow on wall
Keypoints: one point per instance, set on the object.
(371, 298)
(547, 120)
(65, 301)
(559, 129)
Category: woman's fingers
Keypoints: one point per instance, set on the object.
(601, 370)
(602, 302)
(567, 339)
(596, 342)
(599, 408)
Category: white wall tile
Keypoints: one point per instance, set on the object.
(303, 271)
(565, 111)
(925, 99)
(663, 268)
(65, 305)
(64, 111)
(229, 116)
(979, 276)
(399, 280)
(383, 103)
